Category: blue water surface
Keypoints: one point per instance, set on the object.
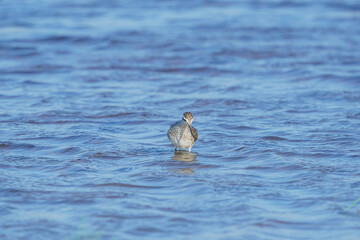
(88, 90)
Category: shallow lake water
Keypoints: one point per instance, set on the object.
(88, 90)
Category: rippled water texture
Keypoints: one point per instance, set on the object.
(88, 90)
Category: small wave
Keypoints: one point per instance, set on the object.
(40, 68)
(110, 115)
(69, 150)
(63, 38)
(11, 146)
(274, 138)
(32, 82)
(123, 185)
(183, 70)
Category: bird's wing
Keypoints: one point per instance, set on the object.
(194, 133)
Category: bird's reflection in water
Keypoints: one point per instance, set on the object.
(184, 156)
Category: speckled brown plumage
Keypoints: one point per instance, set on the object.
(194, 133)
(182, 134)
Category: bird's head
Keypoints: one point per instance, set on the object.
(188, 117)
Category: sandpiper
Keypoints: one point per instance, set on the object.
(182, 134)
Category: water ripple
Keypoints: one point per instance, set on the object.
(89, 90)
